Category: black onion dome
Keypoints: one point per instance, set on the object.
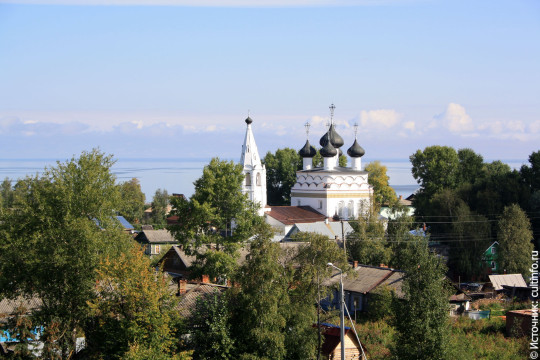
(307, 151)
(356, 150)
(248, 120)
(335, 138)
(328, 150)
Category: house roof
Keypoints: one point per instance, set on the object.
(492, 245)
(332, 337)
(9, 306)
(289, 215)
(188, 301)
(369, 278)
(156, 237)
(124, 223)
(330, 230)
(515, 280)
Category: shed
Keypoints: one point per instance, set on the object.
(331, 348)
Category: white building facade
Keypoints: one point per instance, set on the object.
(331, 189)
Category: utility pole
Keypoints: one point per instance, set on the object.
(341, 311)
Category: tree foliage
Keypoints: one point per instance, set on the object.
(384, 194)
(60, 226)
(422, 318)
(281, 170)
(133, 309)
(133, 200)
(514, 237)
(211, 336)
(160, 203)
(215, 222)
(367, 244)
(435, 168)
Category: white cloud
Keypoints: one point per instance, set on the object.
(534, 127)
(456, 119)
(379, 119)
(409, 125)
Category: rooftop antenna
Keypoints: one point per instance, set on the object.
(306, 125)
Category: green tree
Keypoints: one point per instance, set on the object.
(367, 244)
(435, 168)
(281, 170)
(133, 200)
(215, 222)
(307, 270)
(258, 320)
(383, 192)
(514, 236)
(422, 318)
(133, 308)
(160, 202)
(470, 166)
(6, 192)
(211, 333)
(54, 237)
(531, 173)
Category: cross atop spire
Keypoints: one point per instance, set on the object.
(332, 108)
(307, 125)
(355, 130)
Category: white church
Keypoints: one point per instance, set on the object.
(320, 194)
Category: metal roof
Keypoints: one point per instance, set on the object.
(156, 237)
(510, 280)
(369, 278)
(289, 215)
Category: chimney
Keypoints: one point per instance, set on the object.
(205, 279)
(182, 287)
(355, 264)
(400, 197)
(383, 266)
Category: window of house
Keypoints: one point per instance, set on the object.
(248, 179)
(493, 265)
(493, 249)
(157, 249)
(320, 204)
(298, 202)
(258, 179)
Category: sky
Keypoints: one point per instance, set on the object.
(177, 78)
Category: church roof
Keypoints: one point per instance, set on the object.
(250, 154)
(356, 150)
(328, 149)
(289, 215)
(333, 136)
(337, 169)
(307, 151)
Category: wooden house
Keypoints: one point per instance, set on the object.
(331, 348)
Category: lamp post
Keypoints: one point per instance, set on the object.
(341, 310)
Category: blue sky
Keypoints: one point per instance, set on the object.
(178, 79)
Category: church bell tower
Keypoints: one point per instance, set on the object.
(254, 184)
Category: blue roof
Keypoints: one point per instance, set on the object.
(124, 222)
(334, 326)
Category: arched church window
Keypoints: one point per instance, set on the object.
(258, 179)
(248, 179)
(350, 210)
(340, 209)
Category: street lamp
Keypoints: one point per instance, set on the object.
(341, 310)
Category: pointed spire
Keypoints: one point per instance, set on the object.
(250, 154)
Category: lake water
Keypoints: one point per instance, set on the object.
(178, 175)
